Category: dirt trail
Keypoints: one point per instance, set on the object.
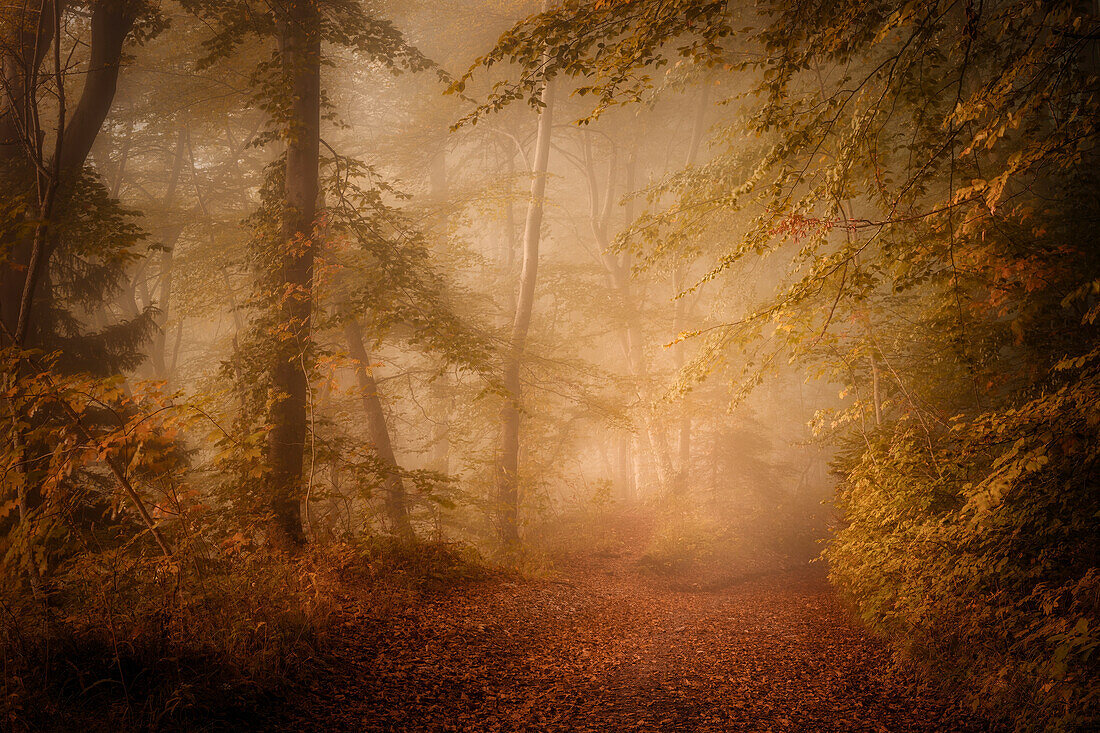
(611, 650)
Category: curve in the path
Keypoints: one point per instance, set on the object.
(611, 651)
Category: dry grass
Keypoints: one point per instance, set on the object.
(133, 643)
(137, 643)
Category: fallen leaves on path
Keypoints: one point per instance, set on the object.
(611, 650)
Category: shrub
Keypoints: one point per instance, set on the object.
(133, 642)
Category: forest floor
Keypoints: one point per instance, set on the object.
(605, 646)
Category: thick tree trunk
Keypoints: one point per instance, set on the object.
(508, 468)
(112, 21)
(300, 47)
(397, 509)
(22, 153)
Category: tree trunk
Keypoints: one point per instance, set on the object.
(112, 21)
(22, 151)
(653, 435)
(624, 468)
(631, 336)
(442, 398)
(508, 468)
(637, 465)
(682, 304)
(685, 404)
(21, 63)
(396, 500)
(158, 354)
(21, 60)
(300, 47)
(875, 390)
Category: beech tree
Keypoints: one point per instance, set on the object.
(525, 301)
(300, 55)
(289, 87)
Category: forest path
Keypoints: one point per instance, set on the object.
(610, 649)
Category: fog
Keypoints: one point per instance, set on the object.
(613, 417)
(652, 298)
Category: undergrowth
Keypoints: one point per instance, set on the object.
(129, 642)
(383, 560)
(583, 531)
(137, 643)
(701, 551)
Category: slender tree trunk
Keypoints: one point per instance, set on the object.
(237, 148)
(123, 157)
(34, 31)
(624, 468)
(680, 358)
(508, 468)
(637, 464)
(682, 303)
(631, 336)
(158, 353)
(300, 47)
(440, 390)
(653, 436)
(112, 21)
(238, 328)
(508, 251)
(396, 499)
(27, 517)
(875, 390)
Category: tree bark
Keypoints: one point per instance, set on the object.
(22, 154)
(300, 50)
(19, 136)
(396, 499)
(624, 468)
(159, 353)
(112, 21)
(685, 404)
(508, 468)
(682, 304)
(875, 390)
(21, 62)
(441, 389)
